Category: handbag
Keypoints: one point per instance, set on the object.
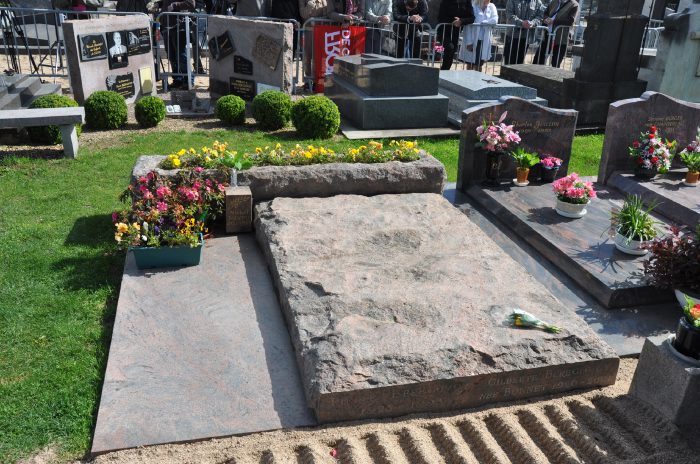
(389, 44)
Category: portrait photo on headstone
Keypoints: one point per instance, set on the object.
(139, 41)
(117, 51)
(221, 46)
(92, 47)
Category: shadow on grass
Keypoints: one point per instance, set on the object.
(90, 231)
(40, 152)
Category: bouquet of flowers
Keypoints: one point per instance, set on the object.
(550, 162)
(167, 212)
(497, 137)
(572, 189)
(652, 152)
(520, 318)
(692, 312)
(691, 154)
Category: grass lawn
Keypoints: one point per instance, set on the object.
(59, 279)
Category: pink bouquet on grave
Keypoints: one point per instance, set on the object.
(550, 162)
(497, 137)
(572, 189)
(651, 151)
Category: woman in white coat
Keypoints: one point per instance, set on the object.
(476, 47)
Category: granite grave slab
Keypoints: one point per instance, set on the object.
(110, 53)
(199, 352)
(581, 247)
(466, 89)
(546, 80)
(416, 320)
(542, 130)
(251, 53)
(675, 120)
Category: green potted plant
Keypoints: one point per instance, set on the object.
(687, 340)
(168, 218)
(674, 263)
(523, 162)
(633, 226)
(691, 158)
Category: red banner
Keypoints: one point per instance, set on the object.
(332, 41)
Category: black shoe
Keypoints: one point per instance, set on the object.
(176, 85)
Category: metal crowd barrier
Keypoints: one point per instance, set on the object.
(32, 39)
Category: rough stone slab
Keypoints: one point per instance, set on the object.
(579, 247)
(353, 133)
(199, 352)
(547, 80)
(678, 202)
(426, 175)
(380, 76)
(669, 385)
(397, 304)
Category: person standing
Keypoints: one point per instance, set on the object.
(525, 16)
(378, 14)
(559, 16)
(410, 14)
(453, 15)
(175, 38)
(138, 6)
(477, 37)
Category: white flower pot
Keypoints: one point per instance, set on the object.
(631, 247)
(571, 210)
(680, 296)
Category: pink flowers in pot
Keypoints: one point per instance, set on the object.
(572, 189)
(497, 137)
(550, 162)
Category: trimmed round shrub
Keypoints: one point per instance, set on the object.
(316, 117)
(231, 110)
(105, 109)
(272, 109)
(51, 134)
(150, 110)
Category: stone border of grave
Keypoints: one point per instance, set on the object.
(425, 175)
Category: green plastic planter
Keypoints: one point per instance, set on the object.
(153, 257)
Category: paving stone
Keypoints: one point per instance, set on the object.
(397, 304)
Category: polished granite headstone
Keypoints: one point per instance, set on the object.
(466, 89)
(379, 92)
(417, 319)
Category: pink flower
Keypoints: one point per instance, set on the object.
(162, 206)
(221, 187)
(114, 217)
(151, 175)
(143, 180)
(163, 191)
(198, 169)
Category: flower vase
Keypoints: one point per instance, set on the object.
(494, 161)
(643, 173)
(691, 178)
(548, 174)
(687, 340)
(571, 210)
(234, 177)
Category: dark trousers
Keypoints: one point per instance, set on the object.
(373, 39)
(558, 51)
(449, 36)
(175, 39)
(515, 49)
(407, 35)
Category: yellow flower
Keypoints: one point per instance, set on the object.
(278, 146)
(193, 151)
(308, 154)
(207, 159)
(258, 150)
(190, 222)
(410, 145)
(118, 237)
(136, 226)
(181, 152)
(121, 227)
(354, 151)
(176, 162)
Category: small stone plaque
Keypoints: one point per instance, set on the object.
(244, 88)
(139, 41)
(221, 46)
(242, 65)
(239, 210)
(267, 50)
(92, 47)
(117, 51)
(122, 84)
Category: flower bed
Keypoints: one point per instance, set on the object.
(411, 171)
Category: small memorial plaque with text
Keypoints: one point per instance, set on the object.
(92, 47)
(242, 65)
(244, 88)
(123, 84)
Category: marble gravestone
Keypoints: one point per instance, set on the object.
(110, 54)
(674, 120)
(542, 130)
(417, 319)
(252, 56)
(466, 89)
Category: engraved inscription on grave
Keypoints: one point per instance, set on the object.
(244, 88)
(242, 65)
(667, 122)
(122, 84)
(221, 46)
(92, 47)
(117, 51)
(139, 41)
(267, 50)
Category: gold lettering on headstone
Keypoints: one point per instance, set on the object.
(239, 209)
(665, 122)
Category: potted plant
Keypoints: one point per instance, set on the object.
(496, 139)
(168, 218)
(633, 226)
(651, 154)
(674, 263)
(523, 162)
(691, 158)
(573, 195)
(687, 341)
(549, 165)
